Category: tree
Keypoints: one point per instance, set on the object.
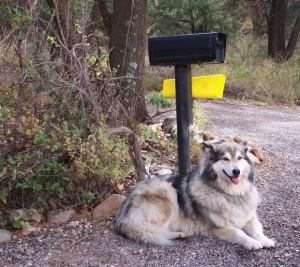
(126, 27)
(189, 16)
(128, 45)
(277, 20)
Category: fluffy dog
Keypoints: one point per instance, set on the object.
(217, 199)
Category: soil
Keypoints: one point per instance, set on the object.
(274, 129)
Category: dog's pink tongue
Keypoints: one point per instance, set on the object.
(235, 180)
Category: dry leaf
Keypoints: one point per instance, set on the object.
(52, 202)
(120, 187)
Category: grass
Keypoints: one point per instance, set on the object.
(250, 74)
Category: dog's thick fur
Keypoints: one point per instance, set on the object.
(217, 199)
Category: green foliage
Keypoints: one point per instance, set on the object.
(183, 17)
(16, 223)
(157, 99)
(40, 169)
(54, 140)
(89, 196)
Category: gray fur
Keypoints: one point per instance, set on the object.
(212, 200)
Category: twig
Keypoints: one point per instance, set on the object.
(166, 111)
(79, 240)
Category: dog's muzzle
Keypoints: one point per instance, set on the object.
(235, 177)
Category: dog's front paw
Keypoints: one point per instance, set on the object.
(253, 245)
(267, 242)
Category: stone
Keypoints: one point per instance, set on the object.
(206, 136)
(257, 152)
(254, 159)
(60, 217)
(27, 229)
(164, 172)
(108, 207)
(250, 143)
(213, 137)
(238, 139)
(168, 124)
(72, 224)
(155, 127)
(5, 235)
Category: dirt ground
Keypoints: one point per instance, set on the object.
(274, 129)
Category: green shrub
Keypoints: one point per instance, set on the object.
(157, 99)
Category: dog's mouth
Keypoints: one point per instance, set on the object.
(234, 179)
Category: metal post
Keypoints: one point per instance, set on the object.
(184, 110)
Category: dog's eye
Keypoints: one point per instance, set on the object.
(225, 159)
(240, 157)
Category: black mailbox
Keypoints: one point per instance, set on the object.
(187, 49)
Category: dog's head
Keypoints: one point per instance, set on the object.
(227, 161)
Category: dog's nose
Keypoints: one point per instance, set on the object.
(236, 172)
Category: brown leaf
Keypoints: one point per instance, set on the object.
(52, 202)
(120, 187)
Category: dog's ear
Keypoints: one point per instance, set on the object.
(209, 146)
(245, 146)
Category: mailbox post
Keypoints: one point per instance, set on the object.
(182, 51)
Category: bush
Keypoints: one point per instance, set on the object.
(54, 139)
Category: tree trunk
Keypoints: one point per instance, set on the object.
(293, 38)
(127, 56)
(276, 30)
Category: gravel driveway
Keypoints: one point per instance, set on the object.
(274, 129)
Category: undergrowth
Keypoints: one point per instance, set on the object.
(250, 75)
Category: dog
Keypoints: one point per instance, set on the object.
(217, 199)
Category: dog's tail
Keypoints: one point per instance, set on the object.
(148, 233)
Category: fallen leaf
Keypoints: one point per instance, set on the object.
(120, 187)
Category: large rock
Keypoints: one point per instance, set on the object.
(257, 152)
(27, 229)
(238, 139)
(254, 159)
(60, 217)
(5, 235)
(108, 207)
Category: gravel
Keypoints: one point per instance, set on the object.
(85, 243)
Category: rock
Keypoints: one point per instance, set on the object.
(238, 139)
(168, 124)
(250, 143)
(206, 136)
(72, 224)
(155, 127)
(5, 235)
(108, 207)
(254, 159)
(257, 152)
(60, 217)
(164, 172)
(27, 215)
(27, 229)
(213, 137)
(226, 138)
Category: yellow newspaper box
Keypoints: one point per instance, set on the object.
(202, 87)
